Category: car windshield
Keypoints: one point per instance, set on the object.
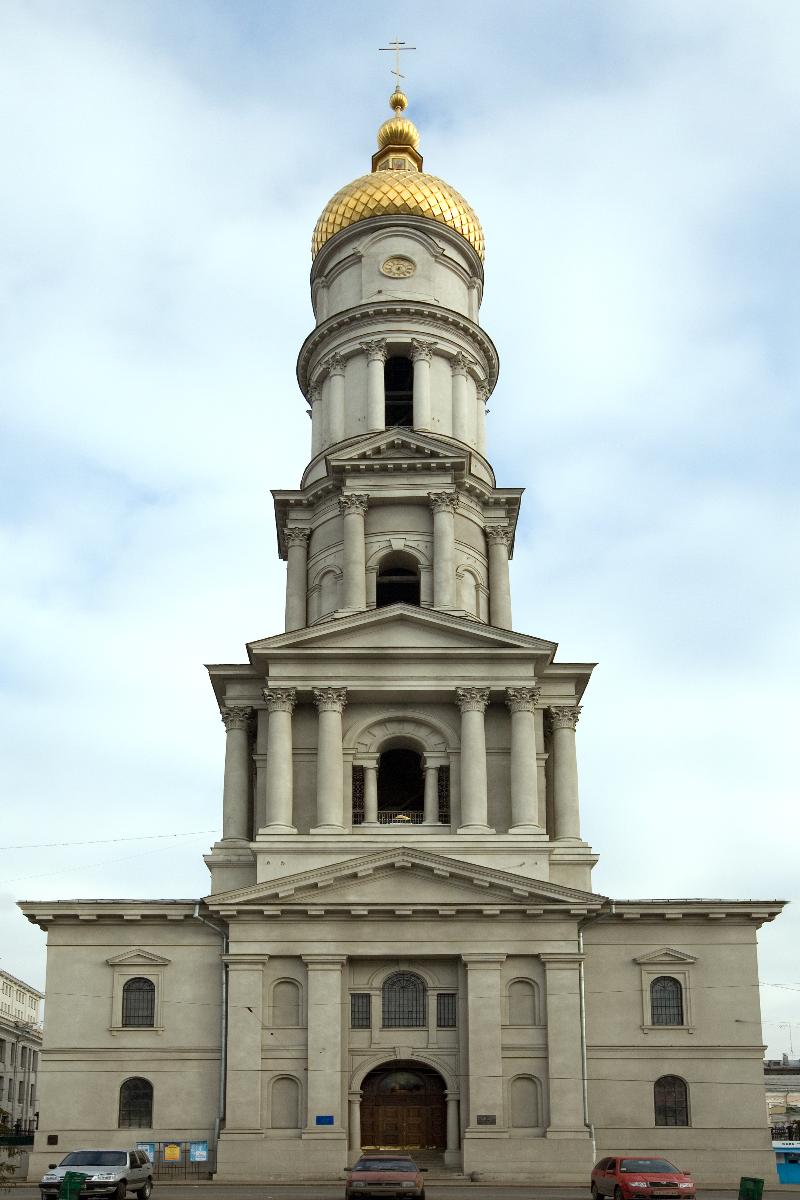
(385, 1164)
(648, 1166)
(95, 1158)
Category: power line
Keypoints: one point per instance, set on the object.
(144, 837)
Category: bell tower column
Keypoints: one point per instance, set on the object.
(565, 771)
(353, 507)
(280, 766)
(296, 576)
(472, 701)
(236, 785)
(444, 505)
(421, 354)
(334, 404)
(461, 420)
(521, 703)
(376, 394)
(498, 537)
(330, 702)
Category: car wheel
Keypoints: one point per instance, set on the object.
(594, 1191)
(122, 1190)
(617, 1193)
(144, 1191)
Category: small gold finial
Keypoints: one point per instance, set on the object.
(398, 100)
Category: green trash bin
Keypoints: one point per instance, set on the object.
(71, 1184)
(750, 1188)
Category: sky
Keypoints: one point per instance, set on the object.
(635, 168)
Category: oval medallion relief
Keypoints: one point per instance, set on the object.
(399, 267)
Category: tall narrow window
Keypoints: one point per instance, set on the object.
(671, 1097)
(360, 1010)
(398, 581)
(136, 1104)
(358, 795)
(404, 1001)
(139, 1003)
(666, 1001)
(398, 382)
(400, 787)
(446, 1010)
(443, 781)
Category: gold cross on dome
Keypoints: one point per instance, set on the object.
(397, 47)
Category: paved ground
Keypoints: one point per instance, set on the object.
(328, 1191)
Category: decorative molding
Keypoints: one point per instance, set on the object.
(376, 350)
(280, 699)
(665, 957)
(330, 699)
(353, 502)
(483, 392)
(334, 364)
(565, 716)
(138, 957)
(460, 364)
(296, 535)
(522, 699)
(443, 501)
(472, 699)
(235, 718)
(422, 350)
(314, 394)
(398, 266)
(498, 534)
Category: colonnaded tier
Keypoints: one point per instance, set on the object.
(401, 947)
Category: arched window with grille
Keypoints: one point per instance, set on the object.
(139, 1003)
(666, 1001)
(671, 1097)
(136, 1104)
(404, 1001)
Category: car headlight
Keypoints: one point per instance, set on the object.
(685, 1185)
(411, 1185)
(637, 1183)
(358, 1183)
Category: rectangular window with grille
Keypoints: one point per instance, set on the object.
(360, 1010)
(358, 795)
(444, 795)
(446, 1010)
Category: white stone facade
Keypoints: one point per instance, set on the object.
(20, 1047)
(432, 933)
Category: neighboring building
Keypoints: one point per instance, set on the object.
(20, 1046)
(782, 1082)
(401, 938)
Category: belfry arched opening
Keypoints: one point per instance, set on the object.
(404, 1106)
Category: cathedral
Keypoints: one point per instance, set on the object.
(401, 946)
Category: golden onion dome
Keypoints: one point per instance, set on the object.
(397, 185)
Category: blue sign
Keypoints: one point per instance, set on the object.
(149, 1149)
(198, 1151)
(327, 1119)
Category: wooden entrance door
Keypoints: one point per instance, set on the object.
(403, 1106)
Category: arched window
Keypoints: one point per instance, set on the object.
(398, 581)
(285, 1107)
(401, 788)
(469, 593)
(404, 1001)
(398, 383)
(671, 1097)
(524, 1095)
(522, 1002)
(328, 593)
(666, 1001)
(136, 1104)
(139, 1003)
(286, 1004)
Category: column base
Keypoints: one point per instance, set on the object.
(526, 829)
(325, 829)
(469, 830)
(277, 827)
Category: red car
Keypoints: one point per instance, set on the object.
(626, 1178)
(383, 1173)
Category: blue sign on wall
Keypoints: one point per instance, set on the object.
(198, 1151)
(325, 1119)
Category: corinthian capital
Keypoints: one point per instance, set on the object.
(460, 364)
(421, 350)
(280, 699)
(235, 718)
(483, 392)
(443, 501)
(314, 394)
(353, 502)
(564, 716)
(375, 350)
(334, 364)
(296, 535)
(330, 699)
(472, 699)
(498, 534)
(522, 699)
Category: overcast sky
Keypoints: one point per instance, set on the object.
(636, 169)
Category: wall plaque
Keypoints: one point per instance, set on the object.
(323, 1119)
(486, 1118)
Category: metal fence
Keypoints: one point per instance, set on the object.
(194, 1159)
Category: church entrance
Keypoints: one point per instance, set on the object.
(403, 1106)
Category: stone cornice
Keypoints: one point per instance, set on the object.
(430, 316)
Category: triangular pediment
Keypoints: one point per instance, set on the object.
(664, 957)
(405, 876)
(400, 445)
(403, 625)
(138, 958)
